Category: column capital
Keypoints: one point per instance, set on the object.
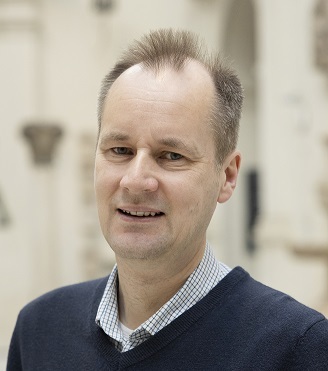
(43, 139)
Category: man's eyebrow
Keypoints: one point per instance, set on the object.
(113, 136)
(179, 144)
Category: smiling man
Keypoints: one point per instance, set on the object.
(166, 155)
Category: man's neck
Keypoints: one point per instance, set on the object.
(145, 287)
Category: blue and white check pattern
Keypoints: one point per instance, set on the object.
(207, 275)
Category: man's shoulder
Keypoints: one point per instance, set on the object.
(272, 306)
(66, 299)
(288, 321)
(261, 327)
(55, 327)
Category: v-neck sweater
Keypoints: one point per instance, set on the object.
(239, 325)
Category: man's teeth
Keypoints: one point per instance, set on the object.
(141, 213)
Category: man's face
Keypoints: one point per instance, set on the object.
(156, 177)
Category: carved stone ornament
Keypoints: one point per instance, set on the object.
(321, 34)
(43, 139)
(103, 5)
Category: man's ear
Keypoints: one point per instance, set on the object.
(229, 170)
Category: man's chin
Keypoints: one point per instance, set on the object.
(138, 248)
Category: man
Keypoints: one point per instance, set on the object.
(166, 154)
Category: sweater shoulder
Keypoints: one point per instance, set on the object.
(273, 306)
(70, 298)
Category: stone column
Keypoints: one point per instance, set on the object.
(287, 135)
(42, 138)
(19, 32)
(321, 34)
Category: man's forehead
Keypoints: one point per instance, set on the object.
(192, 80)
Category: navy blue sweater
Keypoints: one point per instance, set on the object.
(240, 325)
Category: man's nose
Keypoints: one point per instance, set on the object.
(140, 175)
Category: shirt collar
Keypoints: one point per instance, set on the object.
(207, 275)
(107, 314)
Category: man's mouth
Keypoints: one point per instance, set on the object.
(141, 213)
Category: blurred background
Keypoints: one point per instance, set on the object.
(53, 55)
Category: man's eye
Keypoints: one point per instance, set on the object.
(173, 156)
(121, 150)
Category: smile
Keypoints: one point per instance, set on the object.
(140, 213)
